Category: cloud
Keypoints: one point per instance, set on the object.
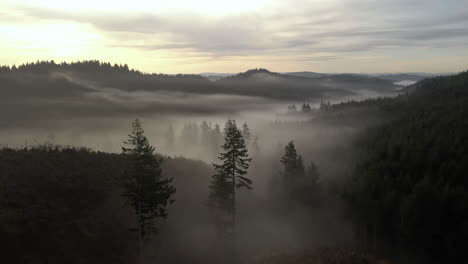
(298, 28)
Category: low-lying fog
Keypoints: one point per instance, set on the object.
(100, 118)
(190, 125)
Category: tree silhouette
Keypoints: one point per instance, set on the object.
(144, 187)
(293, 170)
(230, 174)
(292, 162)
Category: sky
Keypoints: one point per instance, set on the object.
(183, 36)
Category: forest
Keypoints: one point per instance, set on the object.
(285, 169)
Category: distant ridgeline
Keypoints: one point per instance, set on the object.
(256, 82)
(88, 66)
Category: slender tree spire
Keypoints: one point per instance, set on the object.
(231, 173)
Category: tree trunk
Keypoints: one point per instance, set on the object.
(139, 245)
(140, 239)
(233, 194)
(233, 202)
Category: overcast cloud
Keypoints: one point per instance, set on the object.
(309, 35)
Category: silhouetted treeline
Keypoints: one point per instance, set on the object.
(203, 138)
(258, 82)
(91, 67)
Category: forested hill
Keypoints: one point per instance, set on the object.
(50, 78)
(407, 191)
(423, 96)
(339, 84)
(95, 68)
(63, 204)
(43, 74)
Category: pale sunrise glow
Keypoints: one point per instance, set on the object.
(232, 36)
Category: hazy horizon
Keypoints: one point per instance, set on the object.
(221, 74)
(211, 36)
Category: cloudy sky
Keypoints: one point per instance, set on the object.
(189, 36)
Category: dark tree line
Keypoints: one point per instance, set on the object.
(407, 192)
(123, 77)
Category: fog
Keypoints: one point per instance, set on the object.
(184, 124)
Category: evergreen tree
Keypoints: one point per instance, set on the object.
(144, 186)
(205, 134)
(230, 174)
(293, 169)
(292, 162)
(246, 134)
(306, 108)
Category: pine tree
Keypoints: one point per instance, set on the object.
(293, 170)
(230, 175)
(144, 186)
(292, 162)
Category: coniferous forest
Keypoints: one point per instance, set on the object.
(233, 132)
(331, 180)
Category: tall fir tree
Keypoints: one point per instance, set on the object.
(292, 162)
(147, 191)
(231, 173)
(293, 168)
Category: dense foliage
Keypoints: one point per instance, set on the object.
(60, 204)
(408, 189)
(64, 204)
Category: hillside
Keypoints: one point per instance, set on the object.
(70, 79)
(45, 92)
(62, 205)
(406, 190)
(320, 82)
